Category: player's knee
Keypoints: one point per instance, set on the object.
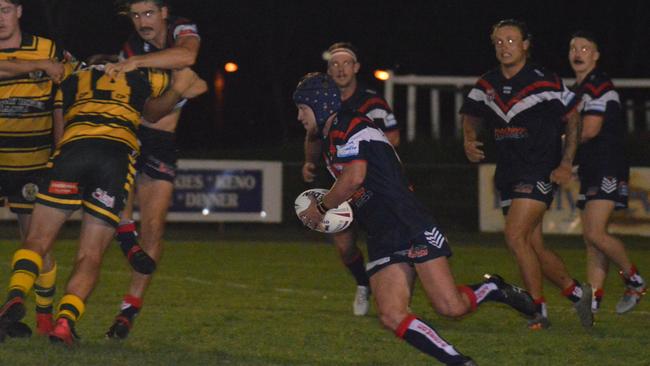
(391, 319)
(452, 307)
(594, 236)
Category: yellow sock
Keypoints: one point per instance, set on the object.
(44, 289)
(26, 265)
(71, 307)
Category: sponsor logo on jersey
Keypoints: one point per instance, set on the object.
(347, 150)
(58, 187)
(507, 89)
(513, 133)
(29, 192)
(103, 197)
(592, 191)
(609, 184)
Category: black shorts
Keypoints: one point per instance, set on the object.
(604, 187)
(158, 154)
(428, 245)
(541, 190)
(20, 189)
(94, 173)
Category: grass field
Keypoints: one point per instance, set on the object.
(218, 300)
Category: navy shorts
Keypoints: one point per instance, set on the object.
(428, 245)
(604, 187)
(158, 154)
(541, 190)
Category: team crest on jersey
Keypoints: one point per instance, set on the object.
(490, 94)
(38, 74)
(103, 197)
(609, 184)
(507, 89)
(544, 187)
(29, 191)
(146, 47)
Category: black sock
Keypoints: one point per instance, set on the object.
(358, 270)
(422, 336)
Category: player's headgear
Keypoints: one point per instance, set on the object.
(320, 93)
(341, 47)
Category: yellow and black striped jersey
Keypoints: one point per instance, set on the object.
(96, 106)
(26, 108)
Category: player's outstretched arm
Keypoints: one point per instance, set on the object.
(12, 68)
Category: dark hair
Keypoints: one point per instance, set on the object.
(125, 5)
(523, 28)
(16, 2)
(586, 35)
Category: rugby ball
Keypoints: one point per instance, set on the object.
(334, 221)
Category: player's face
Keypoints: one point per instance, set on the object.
(9, 19)
(343, 69)
(148, 19)
(509, 46)
(583, 55)
(307, 118)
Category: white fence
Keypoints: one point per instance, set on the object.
(459, 86)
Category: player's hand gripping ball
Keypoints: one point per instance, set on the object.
(334, 221)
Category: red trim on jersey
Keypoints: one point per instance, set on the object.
(365, 107)
(128, 50)
(597, 91)
(522, 94)
(404, 325)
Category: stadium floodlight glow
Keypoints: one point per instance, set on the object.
(382, 75)
(231, 67)
(205, 211)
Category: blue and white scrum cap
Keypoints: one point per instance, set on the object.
(318, 91)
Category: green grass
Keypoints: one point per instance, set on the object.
(220, 301)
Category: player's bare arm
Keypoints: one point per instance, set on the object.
(350, 180)
(471, 125)
(393, 137)
(53, 68)
(312, 152)
(562, 174)
(182, 54)
(156, 108)
(591, 125)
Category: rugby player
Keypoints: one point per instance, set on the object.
(403, 239)
(30, 126)
(92, 168)
(343, 66)
(603, 171)
(527, 108)
(164, 42)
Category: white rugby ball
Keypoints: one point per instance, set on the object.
(334, 221)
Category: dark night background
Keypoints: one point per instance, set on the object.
(275, 42)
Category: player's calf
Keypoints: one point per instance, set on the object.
(139, 260)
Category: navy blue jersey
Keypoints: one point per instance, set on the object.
(598, 97)
(176, 27)
(384, 205)
(368, 102)
(526, 114)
